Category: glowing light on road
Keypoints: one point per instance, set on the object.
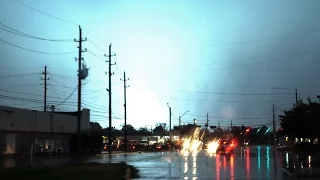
(212, 147)
(192, 144)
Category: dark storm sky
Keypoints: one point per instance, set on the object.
(233, 59)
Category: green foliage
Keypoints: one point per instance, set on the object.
(302, 120)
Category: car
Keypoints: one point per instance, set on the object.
(226, 146)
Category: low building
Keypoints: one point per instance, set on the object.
(24, 131)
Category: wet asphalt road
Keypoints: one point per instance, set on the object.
(253, 162)
(246, 163)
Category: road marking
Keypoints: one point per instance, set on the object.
(286, 171)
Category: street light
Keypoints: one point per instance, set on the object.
(182, 116)
(169, 126)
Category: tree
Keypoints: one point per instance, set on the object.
(94, 126)
(160, 129)
(143, 131)
(130, 129)
(302, 120)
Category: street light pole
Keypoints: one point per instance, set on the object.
(169, 126)
(182, 116)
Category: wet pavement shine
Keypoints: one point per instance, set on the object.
(252, 162)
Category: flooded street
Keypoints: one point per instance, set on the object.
(252, 162)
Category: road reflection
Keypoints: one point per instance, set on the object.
(232, 167)
(300, 163)
(248, 162)
(218, 166)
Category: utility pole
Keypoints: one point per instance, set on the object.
(207, 120)
(80, 59)
(274, 125)
(45, 88)
(125, 110)
(169, 125)
(218, 124)
(110, 99)
(296, 96)
(179, 121)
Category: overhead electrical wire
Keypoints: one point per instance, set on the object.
(45, 13)
(54, 17)
(220, 117)
(30, 94)
(217, 101)
(22, 85)
(95, 55)
(61, 85)
(18, 75)
(16, 32)
(95, 44)
(25, 99)
(237, 94)
(57, 90)
(261, 40)
(259, 62)
(40, 52)
(68, 97)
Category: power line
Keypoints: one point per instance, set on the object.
(22, 85)
(95, 55)
(68, 96)
(95, 45)
(40, 52)
(24, 99)
(253, 87)
(18, 75)
(259, 62)
(206, 100)
(239, 94)
(56, 89)
(259, 40)
(29, 94)
(16, 32)
(61, 84)
(54, 17)
(219, 117)
(70, 78)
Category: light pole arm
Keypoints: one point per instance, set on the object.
(184, 114)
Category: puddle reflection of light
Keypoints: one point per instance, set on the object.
(309, 161)
(194, 167)
(185, 165)
(247, 155)
(287, 160)
(259, 160)
(231, 167)
(224, 163)
(218, 167)
(268, 158)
